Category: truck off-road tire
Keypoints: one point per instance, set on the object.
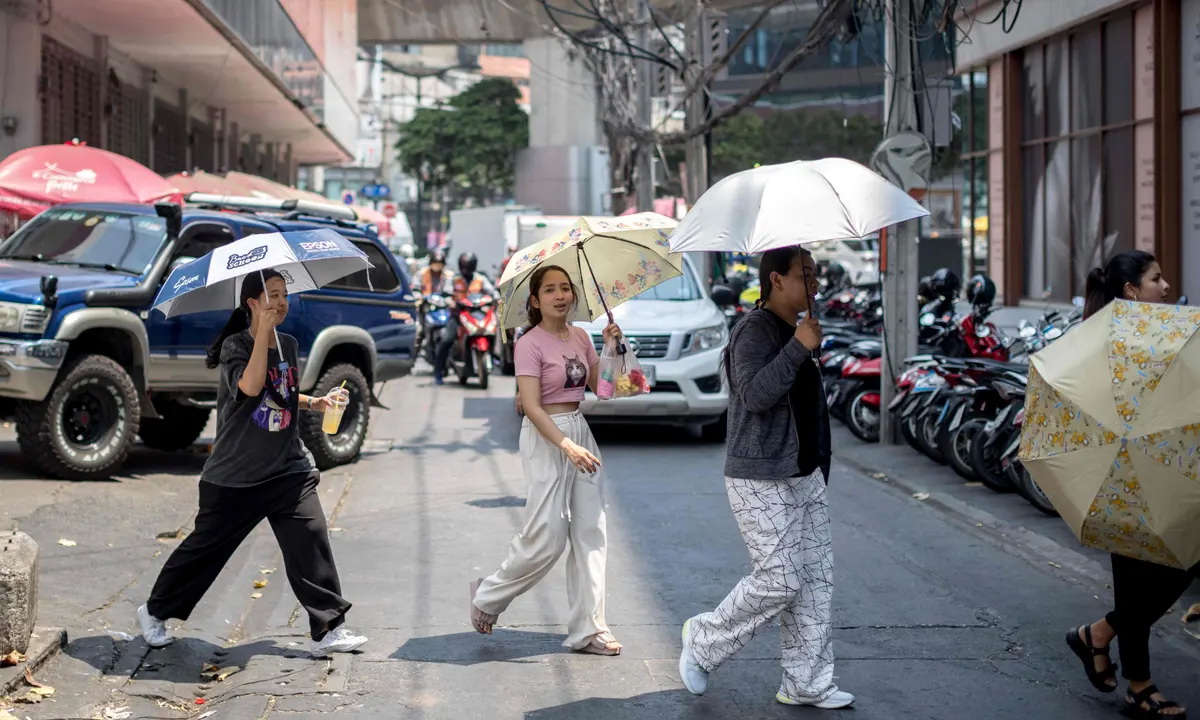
(179, 427)
(85, 426)
(345, 446)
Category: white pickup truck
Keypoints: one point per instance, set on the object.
(677, 332)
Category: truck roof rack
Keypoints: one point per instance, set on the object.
(254, 204)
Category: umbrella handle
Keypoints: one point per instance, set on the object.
(599, 291)
(278, 347)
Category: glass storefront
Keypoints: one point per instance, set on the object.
(1077, 152)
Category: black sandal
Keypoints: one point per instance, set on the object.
(1087, 652)
(1154, 708)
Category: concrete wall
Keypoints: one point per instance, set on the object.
(564, 97)
(1039, 19)
(565, 180)
(20, 41)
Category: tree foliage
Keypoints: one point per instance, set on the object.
(470, 146)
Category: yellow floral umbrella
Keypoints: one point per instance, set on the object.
(1112, 431)
(610, 260)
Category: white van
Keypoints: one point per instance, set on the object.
(677, 333)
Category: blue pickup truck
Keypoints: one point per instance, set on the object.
(86, 367)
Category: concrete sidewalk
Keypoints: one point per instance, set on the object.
(939, 613)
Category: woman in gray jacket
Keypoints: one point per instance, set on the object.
(776, 469)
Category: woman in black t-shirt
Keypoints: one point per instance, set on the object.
(258, 468)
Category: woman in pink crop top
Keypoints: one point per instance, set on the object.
(564, 506)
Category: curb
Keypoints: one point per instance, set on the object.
(45, 644)
(1016, 540)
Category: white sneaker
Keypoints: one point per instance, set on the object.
(694, 677)
(340, 640)
(153, 629)
(836, 701)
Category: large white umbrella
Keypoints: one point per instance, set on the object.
(791, 204)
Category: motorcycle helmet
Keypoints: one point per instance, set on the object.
(981, 290)
(835, 274)
(468, 264)
(945, 283)
(923, 290)
(437, 257)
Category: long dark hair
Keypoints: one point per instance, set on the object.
(535, 286)
(239, 320)
(780, 260)
(1107, 283)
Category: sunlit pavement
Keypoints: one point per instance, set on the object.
(946, 607)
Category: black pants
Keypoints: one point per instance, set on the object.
(1142, 593)
(449, 336)
(226, 517)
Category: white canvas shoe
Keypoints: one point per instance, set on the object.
(836, 701)
(153, 629)
(694, 677)
(340, 640)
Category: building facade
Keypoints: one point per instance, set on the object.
(1090, 141)
(260, 86)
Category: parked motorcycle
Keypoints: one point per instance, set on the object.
(471, 354)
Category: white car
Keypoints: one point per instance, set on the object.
(677, 333)
(859, 257)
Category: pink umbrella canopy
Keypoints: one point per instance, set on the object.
(205, 182)
(253, 184)
(36, 178)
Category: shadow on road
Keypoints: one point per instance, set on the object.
(632, 433)
(181, 662)
(662, 704)
(142, 462)
(471, 648)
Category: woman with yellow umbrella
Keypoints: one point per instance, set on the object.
(1143, 591)
(579, 275)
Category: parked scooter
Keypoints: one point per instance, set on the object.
(471, 354)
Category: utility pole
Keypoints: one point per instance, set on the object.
(645, 152)
(421, 240)
(899, 262)
(696, 109)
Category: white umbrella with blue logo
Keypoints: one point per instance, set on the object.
(307, 260)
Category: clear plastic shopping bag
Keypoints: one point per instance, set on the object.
(621, 374)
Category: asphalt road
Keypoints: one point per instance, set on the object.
(946, 607)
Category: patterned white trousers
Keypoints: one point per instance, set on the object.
(785, 524)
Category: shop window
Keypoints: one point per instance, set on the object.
(971, 106)
(1077, 156)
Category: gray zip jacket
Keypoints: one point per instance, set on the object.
(763, 361)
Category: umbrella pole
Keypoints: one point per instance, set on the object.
(599, 290)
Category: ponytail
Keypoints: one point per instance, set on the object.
(533, 313)
(239, 320)
(1108, 283)
(1094, 294)
(252, 287)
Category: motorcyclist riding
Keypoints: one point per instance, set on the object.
(467, 282)
(432, 279)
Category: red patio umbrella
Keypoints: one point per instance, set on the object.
(257, 184)
(205, 182)
(36, 178)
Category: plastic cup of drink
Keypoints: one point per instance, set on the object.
(333, 413)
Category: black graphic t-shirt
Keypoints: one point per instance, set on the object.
(258, 438)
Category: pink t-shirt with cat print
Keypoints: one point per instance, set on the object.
(561, 365)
